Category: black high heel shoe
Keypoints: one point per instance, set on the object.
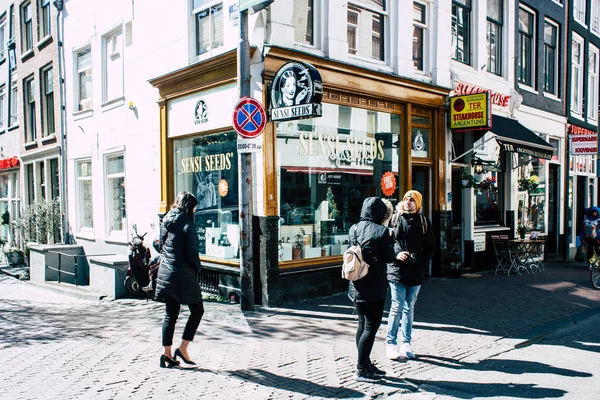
(185, 360)
(168, 362)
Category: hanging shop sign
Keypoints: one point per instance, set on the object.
(7, 163)
(470, 112)
(296, 92)
(583, 141)
(388, 183)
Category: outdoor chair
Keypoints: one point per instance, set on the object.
(502, 252)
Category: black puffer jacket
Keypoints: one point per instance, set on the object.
(377, 249)
(408, 236)
(179, 265)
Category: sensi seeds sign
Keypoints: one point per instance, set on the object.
(470, 112)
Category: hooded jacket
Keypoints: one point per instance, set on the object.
(408, 236)
(377, 249)
(180, 263)
(589, 218)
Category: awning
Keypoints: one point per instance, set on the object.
(514, 137)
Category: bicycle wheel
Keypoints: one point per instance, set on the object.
(595, 275)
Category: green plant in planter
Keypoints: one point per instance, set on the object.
(521, 230)
(40, 222)
(466, 179)
(299, 240)
(14, 255)
(454, 259)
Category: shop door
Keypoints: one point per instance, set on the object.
(553, 213)
(581, 205)
(421, 181)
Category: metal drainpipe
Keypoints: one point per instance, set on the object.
(63, 133)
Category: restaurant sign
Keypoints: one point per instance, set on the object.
(296, 92)
(470, 112)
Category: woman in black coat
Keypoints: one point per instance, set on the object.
(177, 281)
(368, 293)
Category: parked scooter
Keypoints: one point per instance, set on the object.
(140, 280)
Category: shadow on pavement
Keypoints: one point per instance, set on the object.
(480, 390)
(516, 367)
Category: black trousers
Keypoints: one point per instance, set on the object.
(172, 313)
(370, 314)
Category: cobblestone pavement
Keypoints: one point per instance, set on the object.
(57, 347)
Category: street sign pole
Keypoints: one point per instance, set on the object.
(247, 201)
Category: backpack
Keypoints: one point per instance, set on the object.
(354, 266)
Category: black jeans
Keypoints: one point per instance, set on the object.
(370, 314)
(168, 329)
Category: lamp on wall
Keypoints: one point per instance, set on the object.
(477, 164)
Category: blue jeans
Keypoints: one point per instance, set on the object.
(403, 306)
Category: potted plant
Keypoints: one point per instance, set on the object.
(466, 179)
(522, 230)
(14, 255)
(455, 260)
(298, 245)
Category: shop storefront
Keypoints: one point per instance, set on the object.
(10, 199)
(371, 135)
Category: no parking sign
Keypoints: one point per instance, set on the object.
(249, 118)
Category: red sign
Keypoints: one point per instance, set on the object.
(388, 183)
(249, 118)
(12, 162)
(495, 98)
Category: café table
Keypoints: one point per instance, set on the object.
(526, 255)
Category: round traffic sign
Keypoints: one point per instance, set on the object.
(249, 117)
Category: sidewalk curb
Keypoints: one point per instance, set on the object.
(77, 292)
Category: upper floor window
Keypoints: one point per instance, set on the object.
(2, 38)
(2, 107)
(29, 90)
(48, 125)
(494, 36)
(419, 38)
(45, 19)
(592, 96)
(112, 87)
(365, 29)
(27, 27)
(526, 47)
(209, 26)
(14, 105)
(579, 11)
(595, 17)
(83, 79)
(304, 21)
(461, 31)
(550, 57)
(577, 75)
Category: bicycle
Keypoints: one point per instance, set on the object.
(594, 265)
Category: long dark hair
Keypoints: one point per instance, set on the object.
(185, 202)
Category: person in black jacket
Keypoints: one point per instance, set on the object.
(177, 281)
(368, 293)
(414, 246)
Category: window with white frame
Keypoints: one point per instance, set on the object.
(365, 29)
(41, 180)
(54, 180)
(83, 80)
(30, 184)
(85, 215)
(208, 18)
(461, 31)
(419, 38)
(550, 57)
(304, 21)
(494, 36)
(48, 125)
(2, 38)
(14, 105)
(579, 11)
(113, 66)
(27, 27)
(44, 18)
(526, 47)
(577, 75)
(592, 84)
(116, 213)
(29, 90)
(3, 107)
(595, 17)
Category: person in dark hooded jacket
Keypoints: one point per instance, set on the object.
(368, 293)
(177, 281)
(590, 231)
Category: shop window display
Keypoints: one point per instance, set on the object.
(487, 198)
(325, 175)
(207, 167)
(532, 193)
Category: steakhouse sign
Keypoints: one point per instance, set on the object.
(583, 141)
(470, 112)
